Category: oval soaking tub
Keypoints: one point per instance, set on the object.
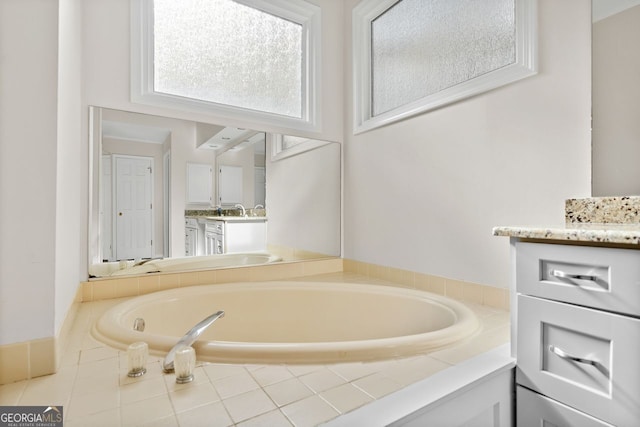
(291, 322)
(171, 265)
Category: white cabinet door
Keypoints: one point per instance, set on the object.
(191, 241)
(230, 185)
(535, 410)
(246, 236)
(199, 177)
(485, 403)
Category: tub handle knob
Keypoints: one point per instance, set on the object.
(138, 324)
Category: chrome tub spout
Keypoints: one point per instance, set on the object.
(189, 338)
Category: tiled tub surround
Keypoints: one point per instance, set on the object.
(36, 358)
(93, 387)
(128, 286)
(41, 357)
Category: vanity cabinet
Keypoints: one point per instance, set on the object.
(235, 235)
(193, 241)
(578, 335)
(214, 237)
(199, 179)
(190, 241)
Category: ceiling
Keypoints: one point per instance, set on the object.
(134, 132)
(210, 137)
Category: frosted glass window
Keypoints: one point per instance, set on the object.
(412, 56)
(253, 61)
(421, 47)
(228, 53)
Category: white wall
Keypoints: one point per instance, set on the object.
(70, 163)
(28, 48)
(424, 194)
(616, 102)
(39, 110)
(303, 200)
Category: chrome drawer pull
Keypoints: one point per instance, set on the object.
(561, 274)
(564, 355)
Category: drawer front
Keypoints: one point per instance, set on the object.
(605, 278)
(585, 358)
(535, 410)
(214, 226)
(191, 222)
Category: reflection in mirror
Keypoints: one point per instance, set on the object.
(615, 97)
(176, 195)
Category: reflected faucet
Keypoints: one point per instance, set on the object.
(244, 211)
(189, 338)
(258, 206)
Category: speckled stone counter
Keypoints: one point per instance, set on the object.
(598, 233)
(226, 212)
(611, 220)
(603, 210)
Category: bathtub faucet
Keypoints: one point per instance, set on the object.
(244, 211)
(189, 338)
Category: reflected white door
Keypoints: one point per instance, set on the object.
(133, 207)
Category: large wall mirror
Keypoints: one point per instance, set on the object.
(160, 186)
(616, 97)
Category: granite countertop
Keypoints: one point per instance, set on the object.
(593, 232)
(596, 219)
(228, 218)
(227, 214)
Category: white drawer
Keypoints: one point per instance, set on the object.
(605, 278)
(551, 333)
(214, 226)
(191, 222)
(535, 410)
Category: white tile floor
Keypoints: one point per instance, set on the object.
(94, 389)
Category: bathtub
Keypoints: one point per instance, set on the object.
(291, 322)
(167, 265)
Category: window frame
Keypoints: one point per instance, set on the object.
(367, 11)
(279, 152)
(297, 11)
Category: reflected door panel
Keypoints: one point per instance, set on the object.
(134, 209)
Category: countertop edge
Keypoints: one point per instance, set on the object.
(595, 233)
